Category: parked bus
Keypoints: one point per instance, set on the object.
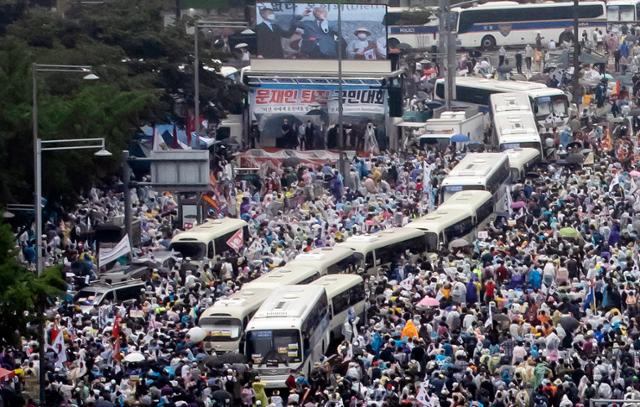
(208, 239)
(459, 217)
(412, 27)
(521, 161)
(237, 309)
(514, 125)
(329, 260)
(227, 318)
(479, 171)
(289, 332)
(344, 291)
(545, 102)
(495, 24)
(378, 249)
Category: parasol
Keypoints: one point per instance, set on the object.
(518, 205)
(196, 334)
(569, 323)
(458, 243)
(428, 302)
(459, 138)
(134, 357)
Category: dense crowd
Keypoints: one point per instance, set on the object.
(541, 312)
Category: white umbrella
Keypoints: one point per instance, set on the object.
(134, 357)
(196, 334)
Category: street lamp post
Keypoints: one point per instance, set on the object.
(37, 174)
(196, 63)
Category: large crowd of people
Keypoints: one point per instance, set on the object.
(541, 312)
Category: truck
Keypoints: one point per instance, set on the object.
(438, 132)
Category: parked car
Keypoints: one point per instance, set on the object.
(100, 292)
(141, 267)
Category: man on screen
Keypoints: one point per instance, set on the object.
(269, 35)
(319, 37)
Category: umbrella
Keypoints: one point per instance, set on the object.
(459, 138)
(635, 173)
(134, 357)
(569, 233)
(532, 175)
(518, 205)
(606, 76)
(458, 243)
(291, 162)
(196, 334)
(428, 302)
(504, 69)
(575, 144)
(569, 323)
(226, 358)
(6, 374)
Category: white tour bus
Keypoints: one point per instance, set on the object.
(521, 161)
(513, 122)
(343, 292)
(495, 24)
(290, 331)
(545, 101)
(236, 310)
(208, 239)
(382, 248)
(480, 171)
(227, 318)
(329, 260)
(411, 27)
(459, 217)
(623, 11)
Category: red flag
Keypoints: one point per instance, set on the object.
(236, 241)
(115, 332)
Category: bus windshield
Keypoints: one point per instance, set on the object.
(449, 190)
(221, 328)
(547, 105)
(192, 249)
(620, 13)
(273, 346)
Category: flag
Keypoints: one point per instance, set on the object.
(121, 249)
(56, 341)
(590, 299)
(489, 320)
(236, 241)
(422, 397)
(157, 139)
(115, 332)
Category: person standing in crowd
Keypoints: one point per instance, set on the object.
(528, 57)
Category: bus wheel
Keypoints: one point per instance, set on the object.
(488, 42)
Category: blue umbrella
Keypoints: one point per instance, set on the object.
(459, 138)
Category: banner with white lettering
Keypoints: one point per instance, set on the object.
(303, 101)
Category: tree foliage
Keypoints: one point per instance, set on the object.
(146, 76)
(21, 290)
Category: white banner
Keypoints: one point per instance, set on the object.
(108, 255)
(302, 101)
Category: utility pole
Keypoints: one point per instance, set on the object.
(447, 40)
(576, 53)
(339, 44)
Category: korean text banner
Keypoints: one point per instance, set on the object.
(287, 30)
(296, 100)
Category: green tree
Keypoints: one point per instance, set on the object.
(21, 291)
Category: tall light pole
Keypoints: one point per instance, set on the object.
(340, 105)
(37, 175)
(196, 63)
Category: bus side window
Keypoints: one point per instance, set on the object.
(210, 253)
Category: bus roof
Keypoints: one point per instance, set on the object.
(520, 156)
(440, 219)
(285, 275)
(337, 283)
(238, 304)
(466, 199)
(211, 229)
(322, 257)
(365, 243)
(477, 165)
(286, 305)
(504, 103)
(542, 92)
(494, 84)
(503, 4)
